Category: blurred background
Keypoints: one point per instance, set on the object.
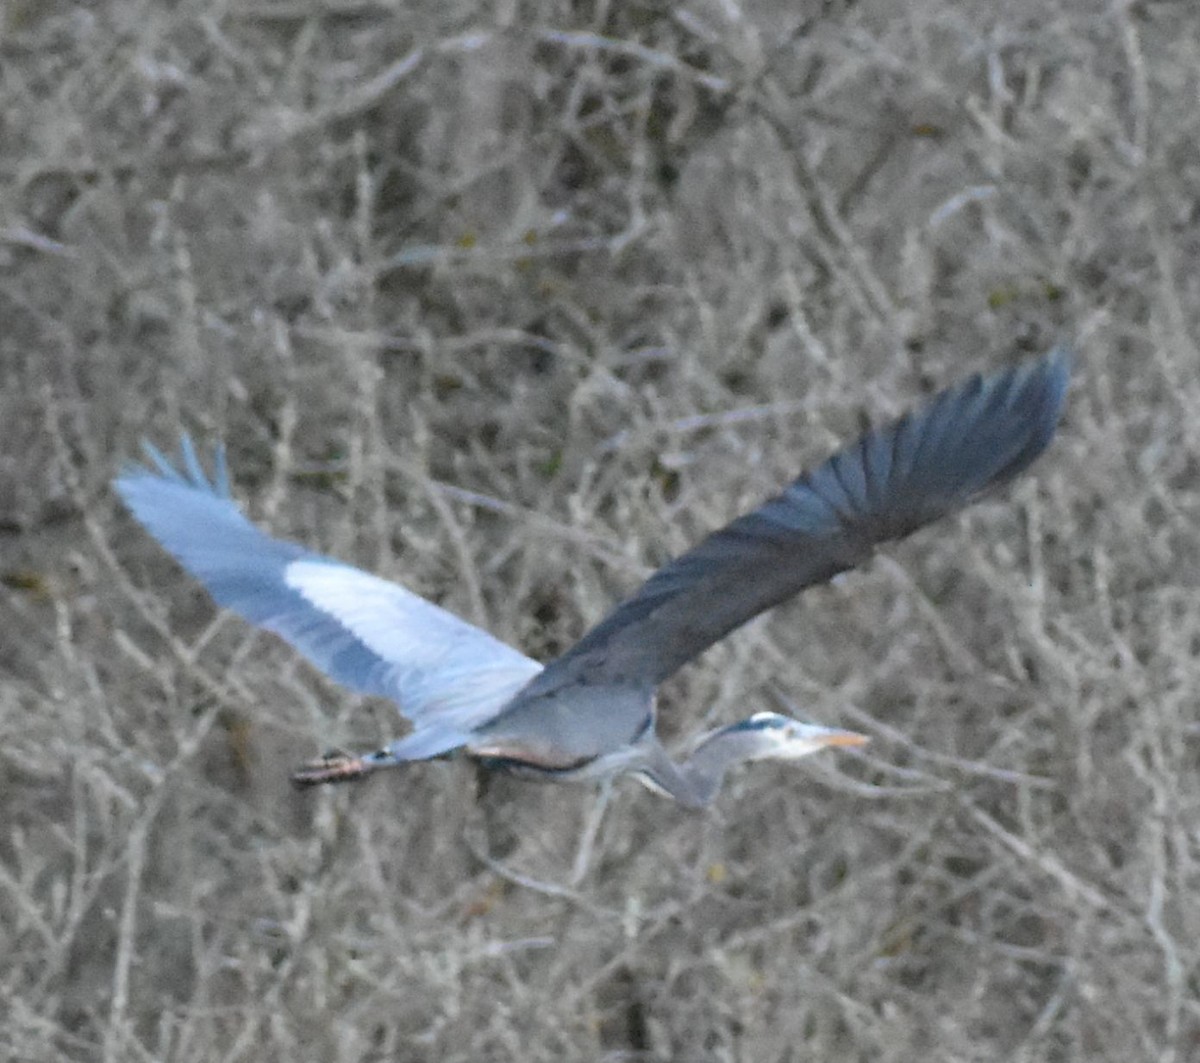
(510, 303)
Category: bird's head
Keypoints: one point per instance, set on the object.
(773, 736)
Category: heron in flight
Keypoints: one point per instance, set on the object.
(590, 714)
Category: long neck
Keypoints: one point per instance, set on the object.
(705, 768)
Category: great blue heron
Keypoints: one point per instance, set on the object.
(591, 712)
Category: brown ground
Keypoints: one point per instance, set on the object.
(618, 271)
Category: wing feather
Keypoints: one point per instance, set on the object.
(969, 439)
(373, 636)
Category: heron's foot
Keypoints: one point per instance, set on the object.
(333, 767)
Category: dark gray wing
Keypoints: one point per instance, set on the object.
(969, 439)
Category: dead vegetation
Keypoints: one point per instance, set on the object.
(510, 307)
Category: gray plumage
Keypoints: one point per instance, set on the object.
(590, 712)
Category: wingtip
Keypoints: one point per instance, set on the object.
(1052, 373)
(189, 472)
(1062, 354)
(221, 471)
(1036, 392)
(1057, 365)
(159, 460)
(133, 473)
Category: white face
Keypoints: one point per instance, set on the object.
(786, 739)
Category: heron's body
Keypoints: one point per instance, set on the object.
(590, 713)
(618, 716)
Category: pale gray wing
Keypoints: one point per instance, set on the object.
(892, 481)
(374, 636)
